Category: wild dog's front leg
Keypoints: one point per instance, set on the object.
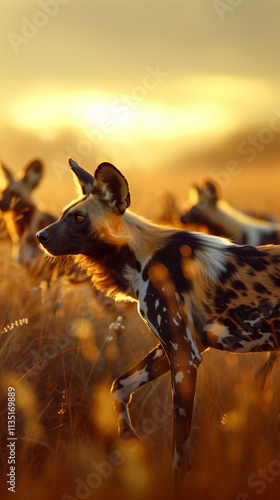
(149, 368)
(184, 364)
(265, 371)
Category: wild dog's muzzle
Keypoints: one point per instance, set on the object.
(55, 242)
(48, 242)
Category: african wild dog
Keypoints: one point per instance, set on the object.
(21, 214)
(223, 220)
(193, 290)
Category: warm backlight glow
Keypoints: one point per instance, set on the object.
(51, 112)
(198, 111)
(185, 114)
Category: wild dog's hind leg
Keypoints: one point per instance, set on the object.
(149, 368)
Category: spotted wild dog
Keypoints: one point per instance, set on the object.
(21, 214)
(194, 291)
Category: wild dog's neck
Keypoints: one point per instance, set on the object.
(107, 266)
(145, 238)
(118, 251)
(142, 236)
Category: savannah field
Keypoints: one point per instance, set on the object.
(63, 344)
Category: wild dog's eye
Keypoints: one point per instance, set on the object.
(80, 218)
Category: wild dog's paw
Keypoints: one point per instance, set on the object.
(129, 437)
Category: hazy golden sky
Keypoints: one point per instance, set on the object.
(132, 76)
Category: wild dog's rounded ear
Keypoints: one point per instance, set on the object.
(32, 174)
(112, 186)
(84, 178)
(6, 174)
(211, 192)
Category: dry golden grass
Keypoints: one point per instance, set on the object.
(62, 364)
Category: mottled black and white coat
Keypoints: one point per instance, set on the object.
(194, 291)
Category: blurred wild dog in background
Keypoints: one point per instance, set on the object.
(21, 214)
(208, 209)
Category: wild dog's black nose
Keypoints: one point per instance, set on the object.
(43, 236)
(185, 219)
